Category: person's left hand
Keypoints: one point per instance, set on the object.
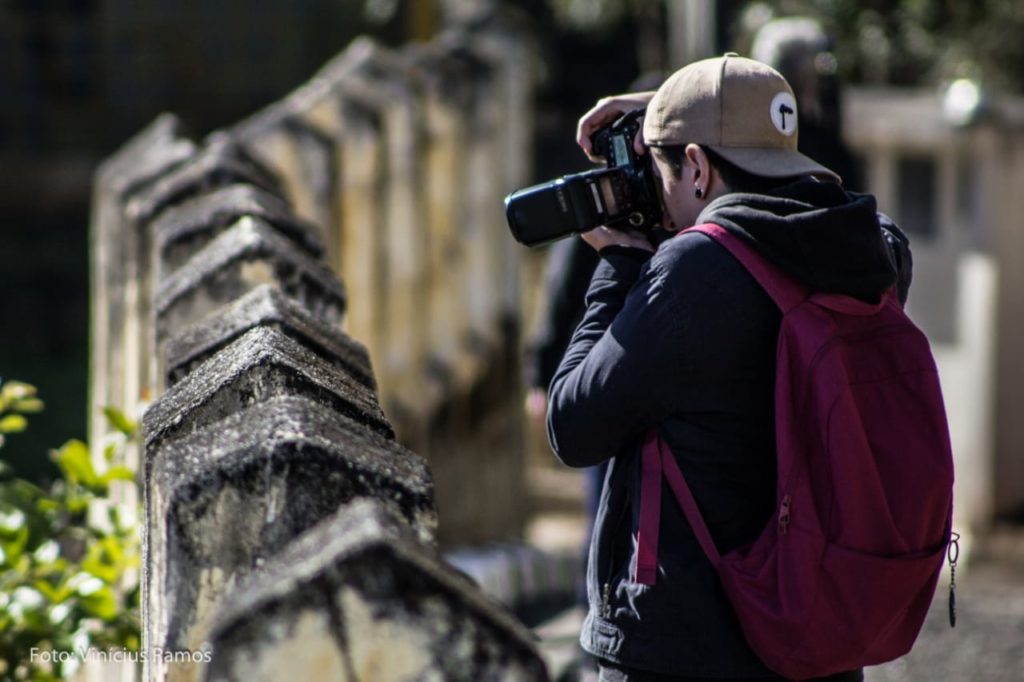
(536, 404)
(602, 236)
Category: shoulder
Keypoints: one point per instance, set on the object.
(691, 257)
(687, 241)
(701, 275)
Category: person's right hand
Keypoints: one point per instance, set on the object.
(602, 236)
(604, 112)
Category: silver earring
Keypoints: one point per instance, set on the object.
(698, 192)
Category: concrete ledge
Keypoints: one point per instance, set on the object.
(266, 306)
(226, 499)
(247, 255)
(221, 162)
(262, 364)
(181, 233)
(151, 153)
(358, 598)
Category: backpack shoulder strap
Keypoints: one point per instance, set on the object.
(783, 289)
(658, 465)
(786, 293)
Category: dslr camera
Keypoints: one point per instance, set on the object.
(624, 195)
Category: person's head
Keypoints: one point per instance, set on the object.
(799, 49)
(723, 125)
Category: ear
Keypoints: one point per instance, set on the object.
(702, 174)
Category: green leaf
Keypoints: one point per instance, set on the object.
(28, 405)
(77, 505)
(12, 520)
(100, 602)
(47, 505)
(17, 390)
(61, 593)
(105, 559)
(118, 473)
(14, 544)
(27, 598)
(59, 613)
(13, 423)
(47, 553)
(76, 464)
(51, 593)
(119, 421)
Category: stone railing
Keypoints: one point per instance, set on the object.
(287, 532)
(404, 158)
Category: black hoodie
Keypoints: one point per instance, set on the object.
(826, 238)
(684, 341)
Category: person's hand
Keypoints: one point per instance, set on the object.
(602, 236)
(604, 112)
(536, 404)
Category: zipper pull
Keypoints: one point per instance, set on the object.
(606, 608)
(953, 554)
(784, 515)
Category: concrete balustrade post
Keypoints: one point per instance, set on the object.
(358, 598)
(232, 495)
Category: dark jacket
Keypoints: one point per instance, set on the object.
(685, 341)
(570, 265)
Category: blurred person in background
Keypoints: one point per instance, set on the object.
(799, 49)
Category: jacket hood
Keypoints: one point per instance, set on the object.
(826, 238)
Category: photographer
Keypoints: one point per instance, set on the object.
(683, 339)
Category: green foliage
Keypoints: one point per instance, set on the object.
(914, 42)
(16, 400)
(62, 569)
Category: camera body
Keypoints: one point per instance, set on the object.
(625, 195)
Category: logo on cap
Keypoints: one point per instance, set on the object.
(783, 113)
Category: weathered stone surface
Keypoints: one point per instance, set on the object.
(233, 495)
(153, 151)
(250, 253)
(219, 163)
(358, 598)
(302, 155)
(181, 233)
(524, 578)
(116, 330)
(261, 364)
(267, 306)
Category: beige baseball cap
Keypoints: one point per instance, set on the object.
(740, 108)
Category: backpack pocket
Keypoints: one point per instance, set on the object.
(867, 609)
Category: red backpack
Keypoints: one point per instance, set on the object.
(843, 575)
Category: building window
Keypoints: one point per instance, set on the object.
(968, 215)
(916, 181)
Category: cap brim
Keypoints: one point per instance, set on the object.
(775, 163)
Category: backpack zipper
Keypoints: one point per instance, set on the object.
(953, 554)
